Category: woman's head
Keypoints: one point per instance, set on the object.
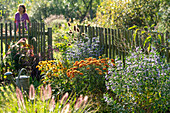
(21, 8)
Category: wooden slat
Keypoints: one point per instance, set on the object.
(1, 60)
(50, 43)
(15, 29)
(10, 30)
(106, 47)
(113, 43)
(41, 39)
(6, 45)
(44, 41)
(109, 43)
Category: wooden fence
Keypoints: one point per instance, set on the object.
(118, 42)
(37, 36)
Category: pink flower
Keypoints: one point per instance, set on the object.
(79, 102)
(20, 98)
(46, 93)
(31, 92)
(52, 104)
(66, 108)
(64, 98)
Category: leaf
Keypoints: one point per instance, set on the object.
(159, 36)
(133, 27)
(147, 39)
(143, 32)
(136, 31)
(149, 47)
(152, 25)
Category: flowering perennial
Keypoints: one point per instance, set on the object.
(101, 66)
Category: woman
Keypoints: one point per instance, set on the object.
(21, 17)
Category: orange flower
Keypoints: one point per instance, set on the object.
(94, 59)
(100, 73)
(84, 64)
(103, 62)
(75, 68)
(106, 65)
(81, 65)
(75, 64)
(97, 69)
(112, 60)
(99, 57)
(81, 61)
(88, 68)
(104, 68)
(72, 76)
(103, 59)
(81, 73)
(89, 59)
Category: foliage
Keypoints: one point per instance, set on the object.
(142, 86)
(120, 13)
(41, 101)
(149, 36)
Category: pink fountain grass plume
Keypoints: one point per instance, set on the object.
(64, 98)
(32, 92)
(48, 92)
(66, 108)
(79, 102)
(85, 101)
(42, 92)
(52, 104)
(45, 93)
(20, 98)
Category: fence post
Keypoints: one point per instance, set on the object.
(50, 52)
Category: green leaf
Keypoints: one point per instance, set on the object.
(159, 36)
(142, 32)
(152, 25)
(149, 47)
(133, 27)
(136, 31)
(147, 39)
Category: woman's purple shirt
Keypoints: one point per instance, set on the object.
(23, 19)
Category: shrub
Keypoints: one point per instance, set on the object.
(142, 86)
(89, 75)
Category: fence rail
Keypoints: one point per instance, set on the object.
(118, 42)
(37, 36)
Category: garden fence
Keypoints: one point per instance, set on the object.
(37, 36)
(119, 42)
